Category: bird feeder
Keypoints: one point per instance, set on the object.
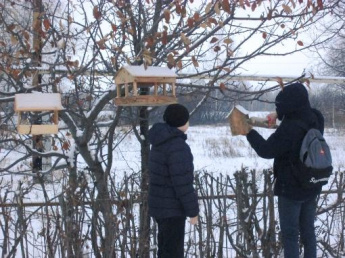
(240, 122)
(30, 106)
(130, 80)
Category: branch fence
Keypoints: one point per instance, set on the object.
(238, 218)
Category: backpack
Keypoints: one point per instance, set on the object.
(314, 165)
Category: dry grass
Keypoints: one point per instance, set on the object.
(221, 147)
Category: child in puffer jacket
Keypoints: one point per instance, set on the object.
(172, 197)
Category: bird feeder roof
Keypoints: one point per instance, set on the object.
(37, 101)
(132, 73)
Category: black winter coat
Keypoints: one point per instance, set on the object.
(284, 144)
(171, 191)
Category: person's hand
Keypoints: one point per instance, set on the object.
(272, 119)
(194, 220)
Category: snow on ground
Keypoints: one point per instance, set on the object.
(217, 151)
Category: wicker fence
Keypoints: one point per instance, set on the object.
(238, 218)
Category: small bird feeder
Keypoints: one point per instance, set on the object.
(30, 106)
(240, 122)
(130, 79)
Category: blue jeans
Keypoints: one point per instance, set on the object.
(297, 218)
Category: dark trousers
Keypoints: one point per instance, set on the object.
(171, 237)
(297, 218)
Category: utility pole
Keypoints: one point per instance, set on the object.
(37, 140)
(37, 42)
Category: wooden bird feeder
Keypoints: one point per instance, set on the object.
(129, 80)
(240, 121)
(29, 104)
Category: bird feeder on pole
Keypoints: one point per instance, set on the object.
(31, 105)
(159, 83)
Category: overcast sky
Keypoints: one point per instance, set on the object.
(291, 65)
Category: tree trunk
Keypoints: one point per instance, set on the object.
(103, 204)
(70, 211)
(144, 237)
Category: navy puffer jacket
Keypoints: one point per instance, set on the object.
(292, 106)
(171, 191)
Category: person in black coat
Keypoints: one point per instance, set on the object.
(172, 197)
(296, 205)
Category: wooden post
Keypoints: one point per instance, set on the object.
(135, 89)
(37, 78)
(19, 118)
(126, 90)
(118, 90)
(155, 91)
(56, 117)
(173, 89)
(164, 89)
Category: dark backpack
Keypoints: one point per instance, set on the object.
(314, 166)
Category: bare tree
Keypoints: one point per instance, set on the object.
(331, 56)
(332, 53)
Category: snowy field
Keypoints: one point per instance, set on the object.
(217, 151)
